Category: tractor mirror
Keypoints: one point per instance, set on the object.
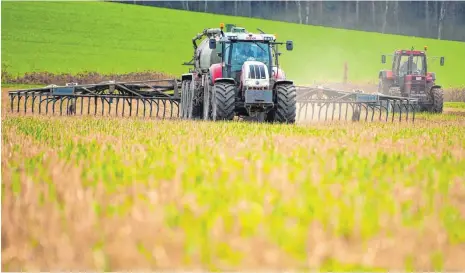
(383, 59)
(289, 45)
(212, 43)
(442, 61)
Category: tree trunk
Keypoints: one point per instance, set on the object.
(299, 11)
(307, 12)
(356, 13)
(250, 8)
(373, 13)
(441, 19)
(385, 17)
(286, 8)
(348, 21)
(235, 8)
(341, 12)
(205, 7)
(396, 15)
(452, 14)
(427, 30)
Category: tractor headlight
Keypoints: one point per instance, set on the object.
(268, 38)
(232, 37)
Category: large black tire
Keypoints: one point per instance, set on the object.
(187, 97)
(197, 111)
(285, 111)
(438, 100)
(224, 99)
(207, 94)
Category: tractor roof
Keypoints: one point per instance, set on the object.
(249, 36)
(410, 52)
(234, 32)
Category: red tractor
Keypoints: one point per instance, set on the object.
(410, 78)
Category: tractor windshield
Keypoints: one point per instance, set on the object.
(417, 65)
(243, 51)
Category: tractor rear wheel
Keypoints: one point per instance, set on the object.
(189, 108)
(285, 111)
(207, 94)
(224, 99)
(185, 94)
(438, 100)
(383, 86)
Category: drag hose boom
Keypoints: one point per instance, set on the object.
(162, 98)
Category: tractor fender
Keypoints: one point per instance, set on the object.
(386, 74)
(228, 80)
(435, 86)
(278, 73)
(431, 76)
(282, 82)
(187, 76)
(216, 72)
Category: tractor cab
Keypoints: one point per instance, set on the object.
(408, 64)
(409, 77)
(237, 53)
(237, 46)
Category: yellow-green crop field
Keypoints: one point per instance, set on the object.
(83, 193)
(86, 193)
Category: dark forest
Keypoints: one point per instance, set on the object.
(444, 20)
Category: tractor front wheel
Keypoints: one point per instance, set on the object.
(224, 98)
(285, 111)
(186, 100)
(207, 94)
(438, 100)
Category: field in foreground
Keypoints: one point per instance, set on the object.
(67, 37)
(115, 194)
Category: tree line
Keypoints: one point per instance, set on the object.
(444, 20)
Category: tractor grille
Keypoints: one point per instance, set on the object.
(257, 71)
(417, 87)
(257, 88)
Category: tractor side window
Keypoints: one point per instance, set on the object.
(418, 65)
(395, 64)
(226, 52)
(403, 68)
(214, 55)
